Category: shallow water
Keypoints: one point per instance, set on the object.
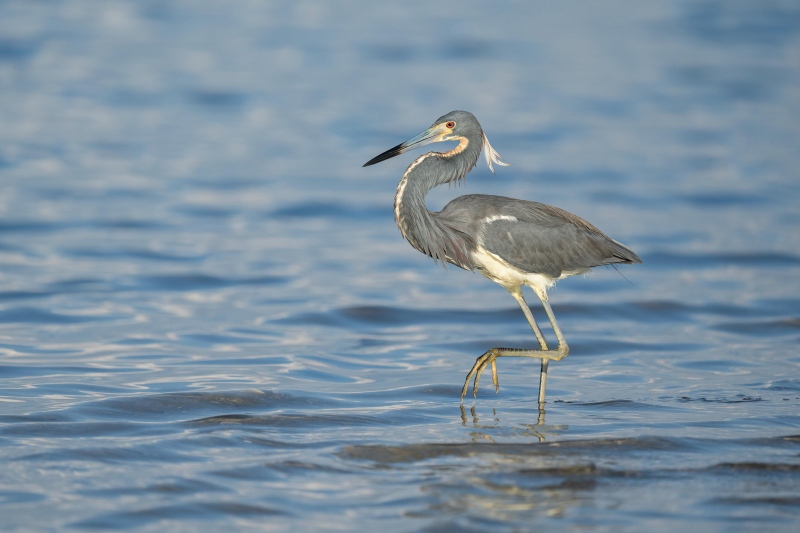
(209, 319)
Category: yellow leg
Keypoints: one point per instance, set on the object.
(545, 354)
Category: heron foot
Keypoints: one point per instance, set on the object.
(490, 358)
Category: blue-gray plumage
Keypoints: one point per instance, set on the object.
(512, 242)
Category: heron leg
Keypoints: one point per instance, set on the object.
(562, 344)
(562, 349)
(517, 294)
(544, 353)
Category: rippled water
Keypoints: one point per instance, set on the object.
(209, 320)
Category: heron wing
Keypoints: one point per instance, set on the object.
(535, 237)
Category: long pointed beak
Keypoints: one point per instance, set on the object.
(431, 135)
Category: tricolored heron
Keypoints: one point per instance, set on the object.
(511, 242)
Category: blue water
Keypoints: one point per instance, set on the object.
(209, 321)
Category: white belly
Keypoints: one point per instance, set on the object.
(496, 269)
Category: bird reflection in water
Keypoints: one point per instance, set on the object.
(538, 430)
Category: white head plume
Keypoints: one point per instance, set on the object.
(491, 155)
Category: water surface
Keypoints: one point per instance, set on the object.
(208, 318)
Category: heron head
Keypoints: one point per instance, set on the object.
(461, 126)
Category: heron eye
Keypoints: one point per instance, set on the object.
(451, 124)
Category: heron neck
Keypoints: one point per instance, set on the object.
(418, 225)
